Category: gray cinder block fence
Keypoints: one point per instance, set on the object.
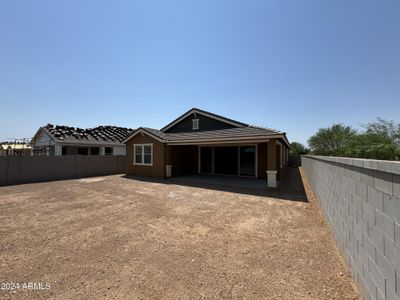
(361, 202)
(26, 169)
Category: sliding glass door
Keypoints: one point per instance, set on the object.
(206, 159)
(228, 160)
(247, 162)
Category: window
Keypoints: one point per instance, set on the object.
(108, 151)
(95, 151)
(195, 124)
(143, 154)
(83, 151)
(138, 154)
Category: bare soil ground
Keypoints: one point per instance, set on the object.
(121, 238)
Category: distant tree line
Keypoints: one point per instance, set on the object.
(377, 140)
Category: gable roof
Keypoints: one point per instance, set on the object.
(204, 113)
(96, 135)
(239, 133)
(154, 133)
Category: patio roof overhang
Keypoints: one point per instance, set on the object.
(227, 140)
(219, 141)
(229, 136)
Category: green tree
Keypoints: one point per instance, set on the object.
(298, 148)
(386, 128)
(381, 140)
(333, 140)
(373, 146)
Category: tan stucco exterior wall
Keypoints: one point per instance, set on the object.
(159, 156)
(184, 159)
(271, 163)
(262, 157)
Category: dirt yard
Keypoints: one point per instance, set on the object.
(121, 238)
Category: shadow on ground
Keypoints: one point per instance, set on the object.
(290, 188)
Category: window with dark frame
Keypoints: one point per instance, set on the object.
(95, 151)
(108, 151)
(83, 151)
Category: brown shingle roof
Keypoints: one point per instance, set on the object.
(240, 132)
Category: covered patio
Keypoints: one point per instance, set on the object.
(289, 188)
(233, 162)
(224, 180)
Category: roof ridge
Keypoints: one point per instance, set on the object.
(145, 127)
(214, 114)
(266, 128)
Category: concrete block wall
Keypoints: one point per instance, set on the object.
(361, 202)
(26, 169)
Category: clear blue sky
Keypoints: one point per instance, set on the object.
(291, 65)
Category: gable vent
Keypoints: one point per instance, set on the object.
(195, 124)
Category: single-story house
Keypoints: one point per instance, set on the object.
(15, 149)
(64, 140)
(200, 142)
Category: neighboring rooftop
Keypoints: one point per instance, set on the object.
(14, 145)
(100, 133)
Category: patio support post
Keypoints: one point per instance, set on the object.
(58, 150)
(271, 164)
(102, 150)
(168, 162)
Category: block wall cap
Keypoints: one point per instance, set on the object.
(372, 164)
